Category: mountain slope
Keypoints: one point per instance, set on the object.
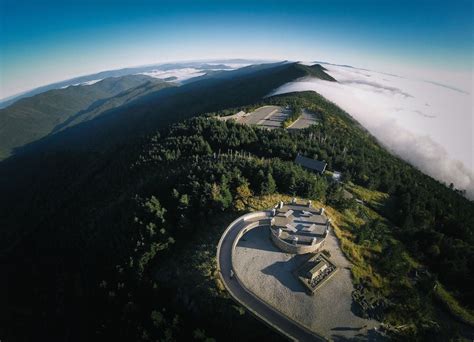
(113, 102)
(317, 71)
(32, 118)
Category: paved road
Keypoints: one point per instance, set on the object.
(275, 319)
(260, 114)
(274, 119)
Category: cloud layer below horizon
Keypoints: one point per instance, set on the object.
(182, 74)
(427, 124)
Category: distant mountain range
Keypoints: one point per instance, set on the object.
(222, 64)
(34, 117)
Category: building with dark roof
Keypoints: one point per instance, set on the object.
(311, 164)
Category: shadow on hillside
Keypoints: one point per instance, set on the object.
(108, 128)
(141, 89)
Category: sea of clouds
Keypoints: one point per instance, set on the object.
(82, 83)
(430, 125)
(180, 74)
(183, 74)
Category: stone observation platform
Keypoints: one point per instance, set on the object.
(304, 297)
(287, 325)
(298, 228)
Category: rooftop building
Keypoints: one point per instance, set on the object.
(311, 164)
(315, 272)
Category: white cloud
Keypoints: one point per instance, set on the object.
(429, 125)
(83, 83)
(232, 66)
(90, 82)
(180, 74)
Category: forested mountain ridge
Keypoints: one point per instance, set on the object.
(158, 108)
(90, 239)
(34, 117)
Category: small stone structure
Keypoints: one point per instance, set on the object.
(314, 272)
(298, 228)
(336, 176)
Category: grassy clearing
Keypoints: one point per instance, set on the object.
(266, 202)
(345, 225)
(453, 306)
(379, 200)
(375, 199)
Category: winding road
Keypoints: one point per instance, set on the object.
(225, 254)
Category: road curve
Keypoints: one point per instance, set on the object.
(225, 253)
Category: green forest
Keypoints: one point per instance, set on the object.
(121, 244)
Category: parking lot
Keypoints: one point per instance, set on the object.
(306, 119)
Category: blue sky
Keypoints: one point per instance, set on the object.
(45, 41)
